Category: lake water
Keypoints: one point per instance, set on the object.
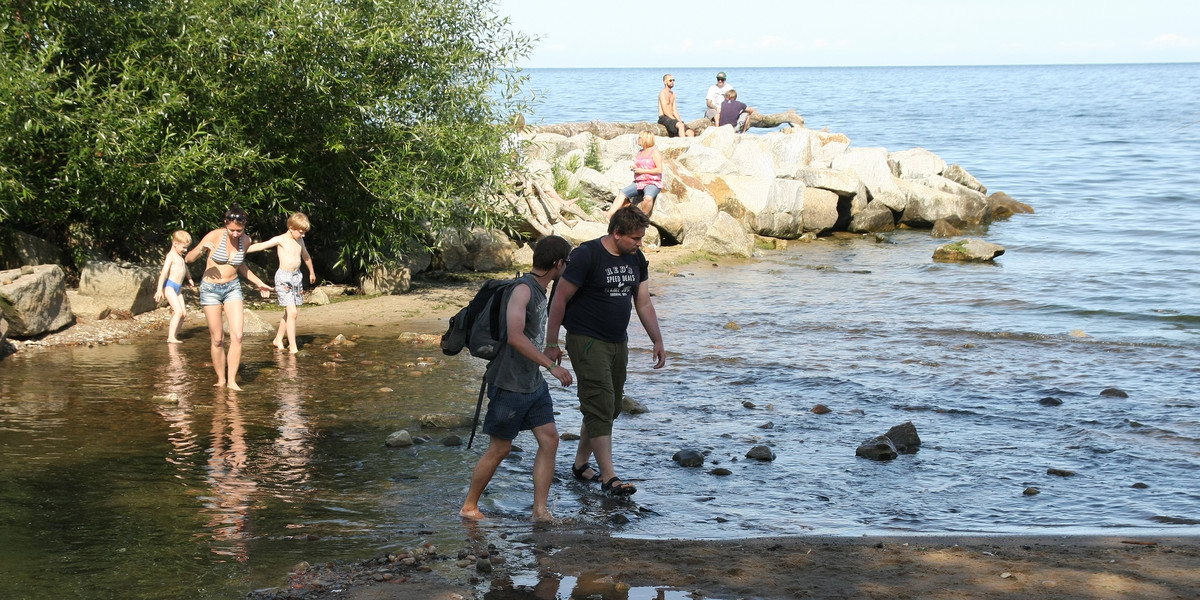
(106, 491)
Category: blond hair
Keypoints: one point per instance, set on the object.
(646, 139)
(299, 221)
(181, 237)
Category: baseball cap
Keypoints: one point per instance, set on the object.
(721, 75)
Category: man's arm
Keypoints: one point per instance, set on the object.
(563, 290)
(649, 319)
(518, 301)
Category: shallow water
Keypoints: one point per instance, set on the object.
(106, 491)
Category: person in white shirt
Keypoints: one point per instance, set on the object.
(715, 96)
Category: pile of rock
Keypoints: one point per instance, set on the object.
(722, 189)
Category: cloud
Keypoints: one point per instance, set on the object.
(724, 44)
(772, 42)
(1172, 40)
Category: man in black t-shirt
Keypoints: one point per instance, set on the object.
(605, 280)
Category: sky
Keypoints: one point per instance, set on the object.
(834, 33)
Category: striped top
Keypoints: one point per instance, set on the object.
(221, 255)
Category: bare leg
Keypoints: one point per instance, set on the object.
(617, 204)
(543, 470)
(289, 315)
(212, 314)
(646, 205)
(233, 312)
(484, 470)
(278, 343)
(179, 311)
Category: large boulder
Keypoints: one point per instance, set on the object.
(752, 160)
(904, 437)
(596, 185)
(876, 218)
(722, 139)
(479, 250)
(122, 286)
(723, 237)
(545, 146)
(18, 249)
(783, 216)
(925, 205)
(709, 161)
(583, 231)
(820, 210)
(960, 175)
(667, 216)
(870, 165)
(34, 300)
(389, 279)
(1002, 206)
(792, 151)
(621, 148)
(916, 163)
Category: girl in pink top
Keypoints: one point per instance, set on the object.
(647, 178)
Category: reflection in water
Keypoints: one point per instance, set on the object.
(293, 445)
(175, 407)
(231, 485)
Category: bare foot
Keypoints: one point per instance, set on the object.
(278, 344)
(220, 383)
(294, 351)
(174, 341)
(471, 513)
(542, 516)
(234, 386)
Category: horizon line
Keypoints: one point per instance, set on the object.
(1048, 64)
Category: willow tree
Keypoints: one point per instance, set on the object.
(382, 119)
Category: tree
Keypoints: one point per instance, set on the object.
(384, 120)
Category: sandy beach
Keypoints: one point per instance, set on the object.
(570, 562)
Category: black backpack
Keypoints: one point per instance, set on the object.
(479, 326)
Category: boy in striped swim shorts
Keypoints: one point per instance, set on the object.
(289, 281)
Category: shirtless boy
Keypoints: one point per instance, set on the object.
(289, 281)
(170, 282)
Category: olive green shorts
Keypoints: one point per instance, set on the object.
(600, 380)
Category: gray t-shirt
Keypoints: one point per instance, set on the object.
(511, 371)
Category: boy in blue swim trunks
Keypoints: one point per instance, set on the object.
(170, 282)
(289, 281)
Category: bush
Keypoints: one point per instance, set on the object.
(120, 122)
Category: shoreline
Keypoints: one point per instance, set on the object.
(548, 563)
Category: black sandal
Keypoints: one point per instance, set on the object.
(619, 488)
(578, 471)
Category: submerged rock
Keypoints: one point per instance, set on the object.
(877, 448)
(762, 453)
(689, 458)
(968, 250)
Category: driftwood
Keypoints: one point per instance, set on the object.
(606, 130)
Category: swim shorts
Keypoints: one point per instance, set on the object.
(289, 287)
(175, 285)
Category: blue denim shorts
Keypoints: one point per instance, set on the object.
(510, 413)
(631, 192)
(213, 294)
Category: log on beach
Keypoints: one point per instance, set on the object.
(606, 130)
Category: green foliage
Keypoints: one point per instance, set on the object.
(381, 119)
(592, 159)
(561, 177)
(573, 163)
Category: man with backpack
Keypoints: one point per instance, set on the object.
(606, 278)
(519, 398)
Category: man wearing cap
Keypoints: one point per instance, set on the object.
(715, 96)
